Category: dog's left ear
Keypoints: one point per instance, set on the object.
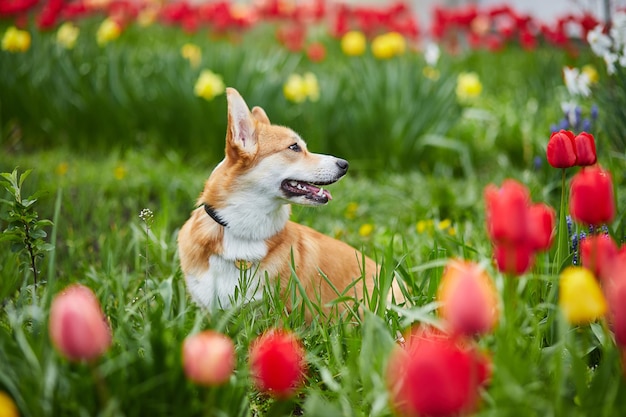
(240, 124)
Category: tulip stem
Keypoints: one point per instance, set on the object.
(101, 387)
(562, 249)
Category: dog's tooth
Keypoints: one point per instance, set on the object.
(320, 192)
(293, 183)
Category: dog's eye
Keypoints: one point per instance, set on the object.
(295, 147)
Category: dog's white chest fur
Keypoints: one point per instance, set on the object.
(216, 286)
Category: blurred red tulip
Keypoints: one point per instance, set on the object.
(507, 212)
(316, 52)
(77, 326)
(435, 376)
(514, 259)
(542, 221)
(598, 253)
(561, 150)
(614, 286)
(208, 358)
(277, 363)
(585, 149)
(591, 196)
(469, 300)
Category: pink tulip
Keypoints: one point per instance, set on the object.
(78, 328)
(208, 358)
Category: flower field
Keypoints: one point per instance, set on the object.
(487, 171)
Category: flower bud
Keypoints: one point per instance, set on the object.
(585, 149)
(208, 358)
(542, 220)
(561, 149)
(277, 363)
(591, 197)
(580, 297)
(78, 328)
(597, 253)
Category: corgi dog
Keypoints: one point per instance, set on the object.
(242, 219)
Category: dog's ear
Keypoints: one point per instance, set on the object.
(240, 124)
(260, 115)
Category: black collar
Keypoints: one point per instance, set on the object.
(213, 214)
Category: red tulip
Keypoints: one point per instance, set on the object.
(435, 376)
(598, 253)
(77, 326)
(208, 358)
(316, 52)
(514, 259)
(277, 363)
(615, 293)
(542, 220)
(561, 150)
(469, 300)
(507, 212)
(585, 149)
(591, 196)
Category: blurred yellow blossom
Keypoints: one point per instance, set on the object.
(468, 86)
(353, 43)
(209, 85)
(67, 35)
(192, 53)
(298, 88)
(7, 406)
(366, 229)
(351, 210)
(119, 172)
(580, 296)
(591, 73)
(108, 31)
(431, 73)
(15, 40)
(388, 45)
(62, 169)
(423, 226)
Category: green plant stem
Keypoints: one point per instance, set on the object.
(562, 237)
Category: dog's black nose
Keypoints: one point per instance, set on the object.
(342, 164)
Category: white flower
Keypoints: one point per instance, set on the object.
(577, 82)
(431, 54)
(599, 42)
(610, 59)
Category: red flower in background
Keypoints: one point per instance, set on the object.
(208, 358)
(277, 363)
(516, 227)
(435, 376)
(598, 253)
(614, 285)
(585, 146)
(316, 52)
(591, 196)
(561, 150)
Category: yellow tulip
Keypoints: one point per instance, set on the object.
(7, 406)
(311, 86)
(67, 35)
(591, 73)
(468, 86)
(366, 229)
(209, 85)
(580, 296)
(388, 45)
(298, 88)
(353, 43)
(108, 31)
(16, 40)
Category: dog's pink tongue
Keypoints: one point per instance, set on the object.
(320, 192)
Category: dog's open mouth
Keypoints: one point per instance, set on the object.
(314, 192)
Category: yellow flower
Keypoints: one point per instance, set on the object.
(580, 296)
(119, 172)
(353, 43)
(591, 73)
(67, 35)
(468, 86)
(424, 226)
(62, 169)
(444, 224)
(351, 210)
(192, 53)
(15, 40)
(298, 88)
(431, 73)
(7, 406)
(366, 229)
(388, 45)
(209, 85)
(108, 31)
